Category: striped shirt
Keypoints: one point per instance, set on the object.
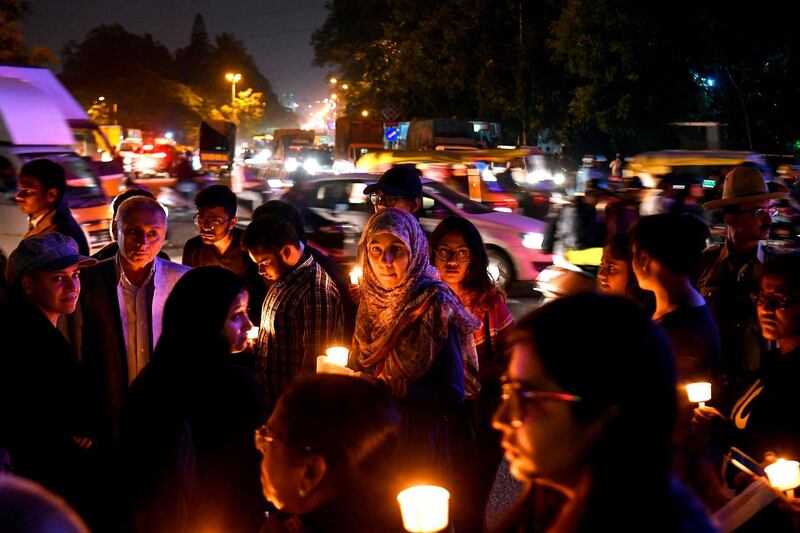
(301, 318)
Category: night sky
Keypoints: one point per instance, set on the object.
(276, 32)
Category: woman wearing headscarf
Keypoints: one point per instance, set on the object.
(188, 431)
(413, 333)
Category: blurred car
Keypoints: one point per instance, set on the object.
(513, 242)
(158, 160)
(310, 161)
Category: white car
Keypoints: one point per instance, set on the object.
(513, 242)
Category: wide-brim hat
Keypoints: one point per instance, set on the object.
(745, 184)
(44, 253)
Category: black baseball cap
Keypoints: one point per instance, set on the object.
(402, 180)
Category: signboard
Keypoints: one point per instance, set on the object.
(392, 134)
(390, 112)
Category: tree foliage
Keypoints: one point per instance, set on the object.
(596, 74)
(13, 49)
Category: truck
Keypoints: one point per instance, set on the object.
(451, 134)
(217, 145)
(285, 141)
(88, 140)
(355, 137)
(33, 127)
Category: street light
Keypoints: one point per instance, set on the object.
(234, 79)
(365, 113)
(345, 86)
(333, 81)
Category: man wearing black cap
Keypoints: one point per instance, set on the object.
(399, 187)
(44, 420)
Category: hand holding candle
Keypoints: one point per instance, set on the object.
(699, 393)
(334, 361)
(784, 475)
(424, 508)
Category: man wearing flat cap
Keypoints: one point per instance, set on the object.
(44, 418)
(732, 271)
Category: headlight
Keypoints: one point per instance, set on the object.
(532, 240)
(311, 166)
(559, 178)
(291, 165)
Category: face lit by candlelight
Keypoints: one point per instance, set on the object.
(542, 437)
(237, 323)
(389, 258)
(613, 274)
(778, 309)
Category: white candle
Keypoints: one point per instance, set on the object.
(424, 508)
(699, 393)
(355, 274)
(252, 333)
(337, 355)
(784, 475)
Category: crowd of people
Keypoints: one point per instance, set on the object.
(134, 387)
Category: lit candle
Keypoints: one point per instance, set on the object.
(337, 355)
(699, 393)
(355, 274)
(424, 508)
(252, 333)
(784, 475)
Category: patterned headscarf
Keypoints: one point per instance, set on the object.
(400, 331)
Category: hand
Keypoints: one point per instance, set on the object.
(355, 293)
(398, 386)
(704, 420)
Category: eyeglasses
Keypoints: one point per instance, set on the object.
(757, 212)
(212, 223)
(266, 436)
(773, 301)
(385, 200)
(445, 254)
(517, 395)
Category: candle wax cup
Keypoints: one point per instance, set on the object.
(337, 355)
(784, 475)
(699, 392)
(252, 333)
(424, 508)
(355, 274)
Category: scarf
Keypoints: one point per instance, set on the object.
(400, 331)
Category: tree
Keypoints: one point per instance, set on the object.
(13, 49)
(192, 62)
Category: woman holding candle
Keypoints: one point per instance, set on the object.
(413, 334)
(460, 257)
(328, 458)
(596, 429)
(667, 251)
(188, 429)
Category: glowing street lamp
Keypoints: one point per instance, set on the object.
(333, 81)
(365, 113)
(234, 78)
(345, 86)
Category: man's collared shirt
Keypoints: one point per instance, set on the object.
(135, 308)
(301, 318)
(33, 222)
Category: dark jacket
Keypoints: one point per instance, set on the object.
(60, 220)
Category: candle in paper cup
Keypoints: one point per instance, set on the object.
(355, 274)
(424, 508)
(252, 333)
(337, 355)
(784, 475)
(699, 393)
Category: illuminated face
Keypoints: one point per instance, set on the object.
(778, 309)
(389, 258)
(271, 266)
(452, 247)
(214, 224)
(281, 464)
(141, 235)
(541, 437)
(750, 224)
(613, 275)
(237, 323)
(54, 292)
(32, 198)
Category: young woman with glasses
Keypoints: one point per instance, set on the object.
(458, 253)
(590, 416)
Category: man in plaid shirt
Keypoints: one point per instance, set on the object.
(302, 313)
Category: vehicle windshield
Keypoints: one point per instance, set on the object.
(457, 199)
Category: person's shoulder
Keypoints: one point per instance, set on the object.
(171, 267)
(193, 244)
(713, 250)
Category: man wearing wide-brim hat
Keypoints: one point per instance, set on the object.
(732, 270)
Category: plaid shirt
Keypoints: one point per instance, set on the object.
(301, 318)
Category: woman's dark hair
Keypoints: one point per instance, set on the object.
(785, 267)
(620, 248)
(626, 377)
(349, 421)
(677, 242)
(477, 280)
(195, 314)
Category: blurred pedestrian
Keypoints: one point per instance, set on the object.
(414, 334)
(41, 194)
(616, 167)
(123, 304)
(616, 277)
(187, 435)
(329, 458)
(570, 418)
(219, 242)
(302, 312)
(732, 270)
(399, 187)
(460, 257)
(666, 253)
(46, 422)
